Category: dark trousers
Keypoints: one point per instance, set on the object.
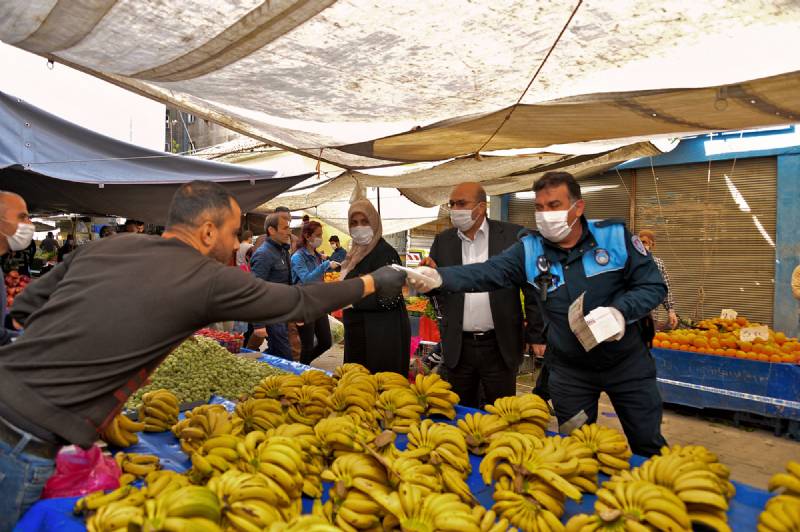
(278, 341)
(481, 366)
(631, 386)
(319, 329)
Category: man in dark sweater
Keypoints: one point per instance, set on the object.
(271, 263)
(66, 378)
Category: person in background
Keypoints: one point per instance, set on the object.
(648, 238)
(377, 331)
(49, 244)
(294, 245)
(139, 227)
(245, 245)
(483, 336)
(308, 267)
(271, 263)
(107, 231)
(130, 226)
(339, 253)
(16, 234)
(68, 247)
(306, 219)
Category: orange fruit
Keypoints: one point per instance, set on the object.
(674, 345)
(661, 336)
(775, 358)
(751, 356)
(719, 351)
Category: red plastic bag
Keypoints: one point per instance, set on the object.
(79, 472)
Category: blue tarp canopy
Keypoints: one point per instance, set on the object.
(58, 166)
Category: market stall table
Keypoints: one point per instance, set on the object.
(51, 515)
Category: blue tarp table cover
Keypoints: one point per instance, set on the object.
(55, 515)
(710, 381)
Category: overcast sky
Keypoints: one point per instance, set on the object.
(82, 99)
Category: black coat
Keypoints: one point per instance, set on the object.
(505, 304)
(377, 332)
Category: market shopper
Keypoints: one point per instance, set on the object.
(16, 234)
(271, 263)
(339, 253)
(68, 247)
(567, 257)
(66, 378)
(648, 238)
(482, 333)
(49, 244)
(309, 267)
(245, 245)
(377, 331)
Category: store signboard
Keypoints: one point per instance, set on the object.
(728, 314)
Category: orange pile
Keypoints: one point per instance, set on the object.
(331, 277)
(721, 337)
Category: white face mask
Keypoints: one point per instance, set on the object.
(553, 225)
(362, 235)
(462, 219)
(21, 239)
(315, 242)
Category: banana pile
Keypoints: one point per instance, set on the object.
(345, 434)
(316, 377)
(308, 404)
(350, 367)
(443, 446)
(609, 447)
(257, 414)
(350, 507)
(782, 513)
(398, 409)
(200, 424)
(121, 431)
(389, 380)
(435, 395)
(159, 410)
(138, 465)
(313, 458)
(701, 453)
(526, 414)
(247, 501)
(277, 386)
(479, 429)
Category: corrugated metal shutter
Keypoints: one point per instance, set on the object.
(607, 196)
(715, 228)
(422, 237)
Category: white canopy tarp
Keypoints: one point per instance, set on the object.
(362, 84)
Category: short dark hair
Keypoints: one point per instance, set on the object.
(556, 179)
(306, 217)
(282, 209)
(273, 221)
(333, 238)
(131, 221)
(197, 198)
(246, 235)
(105, 231)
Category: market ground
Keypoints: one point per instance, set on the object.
(753, 454)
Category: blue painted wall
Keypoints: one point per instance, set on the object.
(786, 308)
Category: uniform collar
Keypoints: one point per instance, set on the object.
(484, 228)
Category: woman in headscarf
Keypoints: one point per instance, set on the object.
(377, 333)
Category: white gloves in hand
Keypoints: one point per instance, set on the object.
(425, 279)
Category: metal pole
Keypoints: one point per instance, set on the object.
(379, 200)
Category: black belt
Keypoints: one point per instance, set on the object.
(479, 335)
(42, 449)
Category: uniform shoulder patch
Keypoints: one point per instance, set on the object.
(638, 246)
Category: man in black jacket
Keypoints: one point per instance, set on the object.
(483, 335)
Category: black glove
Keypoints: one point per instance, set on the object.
(388, 281)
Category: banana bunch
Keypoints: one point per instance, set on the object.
(526, 414)
(789, 482)
(350, 367)
(357, 511)
(339, 435)
(247, 501)
(345, 469)
(256, 414)
(279, 459)
(159, 483)
(312, 454)
(398, 409)
(315, 377)
(405, 470)
(435, 395)
(701, 453)
(126, 495)
(411, 509)
(159, 410)
(114, 516)
(478, 430)
(308, 404)
(522, 510)
(438, 443)
(366, 382)
(488, 521)
(137, 464)
(192, 508)
(610, 448)
(636, 505)
(588, 466)
(383, 445)
(353, 508)
(524, 459)
(217, 455)
(691, 480)
(389, 380)
(121, 431)
(201, 423)
(277, 386)
(782, 514)
(356, 402)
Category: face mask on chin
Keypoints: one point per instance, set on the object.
(22, 237)
(554, 225)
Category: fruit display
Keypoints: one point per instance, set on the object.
(200, 368)
(608, 446)
(782, 512)
(526, 414)
(331, 277)
(722, 337)
(232, 341)
(121, 431)
(15, 284)
(159, 410)
(138, 465)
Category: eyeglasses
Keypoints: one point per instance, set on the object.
(461, 204)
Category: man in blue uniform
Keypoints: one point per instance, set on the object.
(567, 257)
